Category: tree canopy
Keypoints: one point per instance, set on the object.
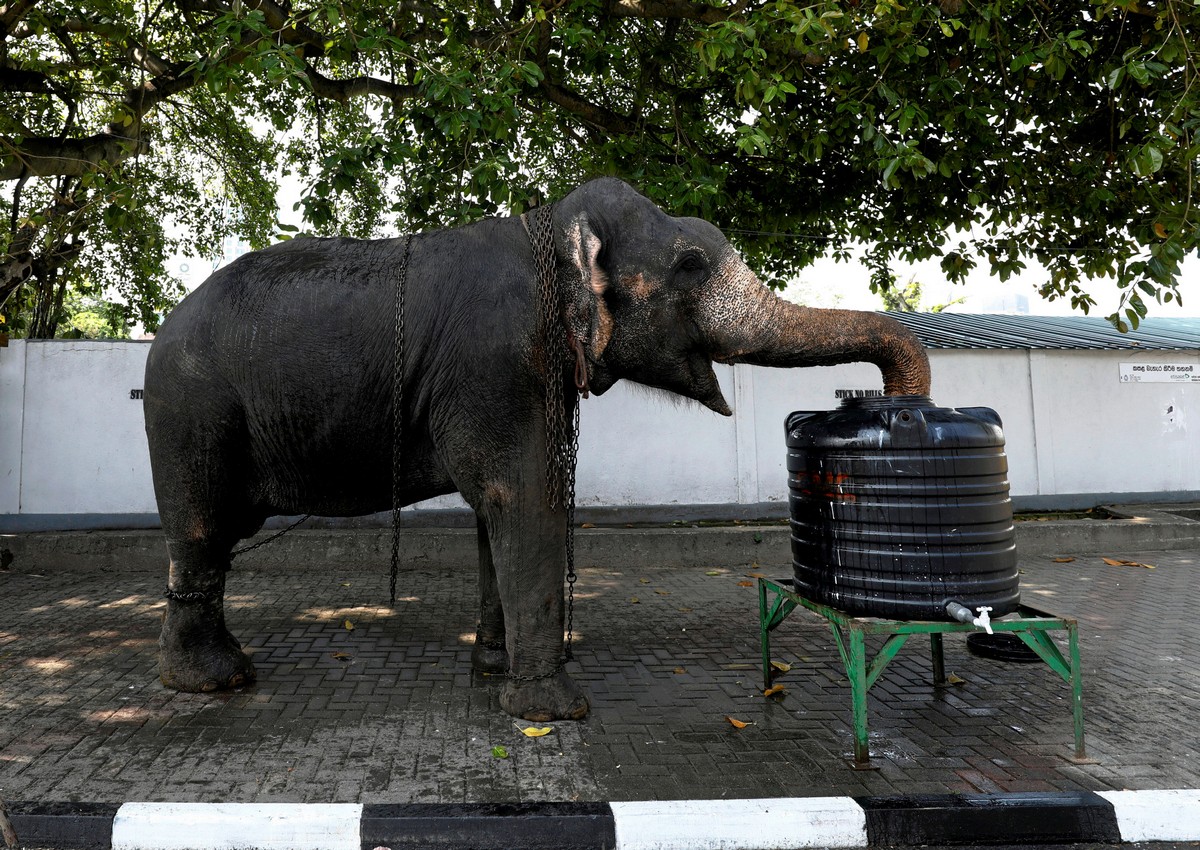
(993, 132)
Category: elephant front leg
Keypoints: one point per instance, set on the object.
(490, 654)
(529, 553)
(196, 651)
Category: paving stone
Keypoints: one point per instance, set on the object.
(391, 712)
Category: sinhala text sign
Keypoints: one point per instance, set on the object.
(1160, 373)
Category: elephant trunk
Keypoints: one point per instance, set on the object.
(770, 331)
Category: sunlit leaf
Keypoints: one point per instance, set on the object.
(1120, 562)
(781, 666)
(536, 731)
(347, 625)
(1063, 560)
(735, 723)
(773, 690)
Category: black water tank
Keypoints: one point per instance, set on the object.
(899, 506)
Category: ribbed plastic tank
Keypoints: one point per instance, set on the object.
(899, 507)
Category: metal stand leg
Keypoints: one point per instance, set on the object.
(1076, 692)
(764, 633)
(858, 696)
(939, 659)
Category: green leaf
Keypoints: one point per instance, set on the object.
(499, 752)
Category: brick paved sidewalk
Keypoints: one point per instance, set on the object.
(391, 712)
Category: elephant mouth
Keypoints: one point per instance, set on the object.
(697, 381)
(706, 389)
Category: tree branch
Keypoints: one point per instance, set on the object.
(668, 9)
(12, 13)
(14, 79)
(598, 116)
(45, 156)
(343, 90)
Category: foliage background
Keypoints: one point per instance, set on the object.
(1062, 133)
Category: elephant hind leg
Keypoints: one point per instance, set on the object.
(489, 654)
(201, 481)
(197, 652)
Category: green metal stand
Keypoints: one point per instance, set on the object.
(776, 602)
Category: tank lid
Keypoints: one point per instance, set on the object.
(886, 402)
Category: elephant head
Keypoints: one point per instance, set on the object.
(657, 299)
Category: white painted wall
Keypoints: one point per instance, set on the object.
(72, 439)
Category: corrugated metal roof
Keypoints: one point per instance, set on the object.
(980, 330)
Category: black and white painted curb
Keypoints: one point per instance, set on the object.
(768, 824)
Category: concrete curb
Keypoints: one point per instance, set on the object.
(767, 824)
(640, 547)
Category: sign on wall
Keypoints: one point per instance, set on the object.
(1160, 373)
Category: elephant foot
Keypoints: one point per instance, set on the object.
(199, 656)
(489, 659)
(556, 697)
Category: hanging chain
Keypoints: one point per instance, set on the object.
(277, 534)
(552, 334)
(573, 455)
(398, 417)
(562, 437)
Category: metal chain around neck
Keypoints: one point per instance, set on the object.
(562, 436)
(398, 416)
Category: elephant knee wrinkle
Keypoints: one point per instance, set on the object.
(497, 495)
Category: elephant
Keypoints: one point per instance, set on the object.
(270, 388)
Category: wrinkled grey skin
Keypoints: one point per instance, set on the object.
(269, 390)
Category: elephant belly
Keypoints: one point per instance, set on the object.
(344, 482)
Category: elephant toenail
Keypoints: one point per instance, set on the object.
(209, 686)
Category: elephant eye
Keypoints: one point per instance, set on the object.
(691, 268)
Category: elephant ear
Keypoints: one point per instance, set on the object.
(587, 317)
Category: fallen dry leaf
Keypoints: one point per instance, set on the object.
(713, 573)
(774, 689)
(1120, 562)
(745, 584)
(663, 592)
(340, 656)
(345, 584)
(588, 525)
(634, 600)
(679, 671)
(735, 723)
(1063, 560)
(347, 625)
(755, 575)
(781, 666)
(685, 610)
(955, 680)
(536, 731)
(644, 580)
